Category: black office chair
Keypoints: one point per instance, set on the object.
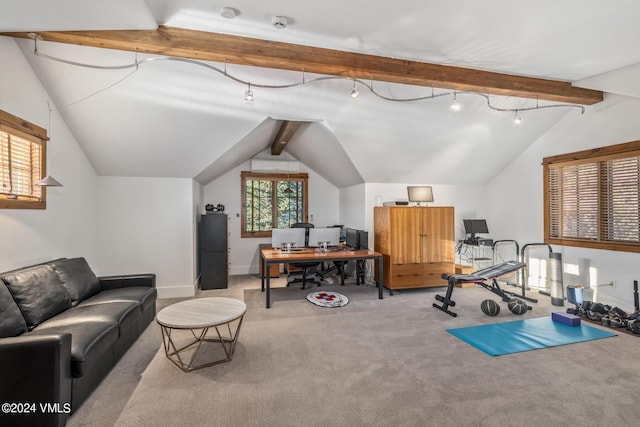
(337, 266)
(307, 267)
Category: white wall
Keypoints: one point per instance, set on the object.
(323, 211)
(515, 196)
(67, 227)
(146, 226)
(197, 205)
(353, 207)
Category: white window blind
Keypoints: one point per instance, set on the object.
(620, 221)
(20, 164)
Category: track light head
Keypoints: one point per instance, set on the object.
(517, 119)
(455, 106)
(248, 94)
(354, 91)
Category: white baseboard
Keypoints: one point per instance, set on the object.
(237, 270)
(176, 292)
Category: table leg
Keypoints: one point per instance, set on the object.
(268, 265)
(380, 285)
(263, 265)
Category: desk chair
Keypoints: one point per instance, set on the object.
(306, 266)
(337, 266)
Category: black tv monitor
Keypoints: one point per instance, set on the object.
(351, 238)
(474, 226)
(357, 239)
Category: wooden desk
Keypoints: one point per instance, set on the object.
(270, 256)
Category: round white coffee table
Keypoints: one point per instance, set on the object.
(201, 314)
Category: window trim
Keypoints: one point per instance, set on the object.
(612, 152)
(21, 127)
(244, 175)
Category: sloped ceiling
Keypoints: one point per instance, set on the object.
(177, 119)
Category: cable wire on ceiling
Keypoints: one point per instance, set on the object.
(369, 85)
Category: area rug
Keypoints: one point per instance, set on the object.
(328, 299)
(523, 335)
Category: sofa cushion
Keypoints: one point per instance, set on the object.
(116, 313)
(89, 340)
(11, 320)
(38, 292)
(142, 295)
(77, 278)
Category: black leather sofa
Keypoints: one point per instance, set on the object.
(62, 329)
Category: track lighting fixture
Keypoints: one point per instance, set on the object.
(248, 94)
(354, 91)
(280, 22)
(455, 106)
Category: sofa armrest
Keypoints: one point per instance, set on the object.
(35, 370)
(123, 281)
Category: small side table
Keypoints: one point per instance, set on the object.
(201, 314)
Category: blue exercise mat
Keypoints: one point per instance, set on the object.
(523, 335)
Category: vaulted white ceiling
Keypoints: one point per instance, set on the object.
(178, 119)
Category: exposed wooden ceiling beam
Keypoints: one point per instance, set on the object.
(201, 45)
(287, 129)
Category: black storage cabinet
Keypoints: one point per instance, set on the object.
(214, 251)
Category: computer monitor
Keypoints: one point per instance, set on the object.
(423, 193)
(351, 238)
(473, 226)
(282, 236)
(329, 234)
(356, 239)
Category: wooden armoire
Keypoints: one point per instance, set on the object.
(417, 244)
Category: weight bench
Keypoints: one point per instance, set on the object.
(480, 277)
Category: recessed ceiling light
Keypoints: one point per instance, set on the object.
(229, 12)
(279, 22)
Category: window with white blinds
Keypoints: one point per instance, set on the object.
(22, 160)
(592, 198)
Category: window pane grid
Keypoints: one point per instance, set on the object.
(272, 201)
(259, 202)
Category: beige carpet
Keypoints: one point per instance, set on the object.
(386, 363)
